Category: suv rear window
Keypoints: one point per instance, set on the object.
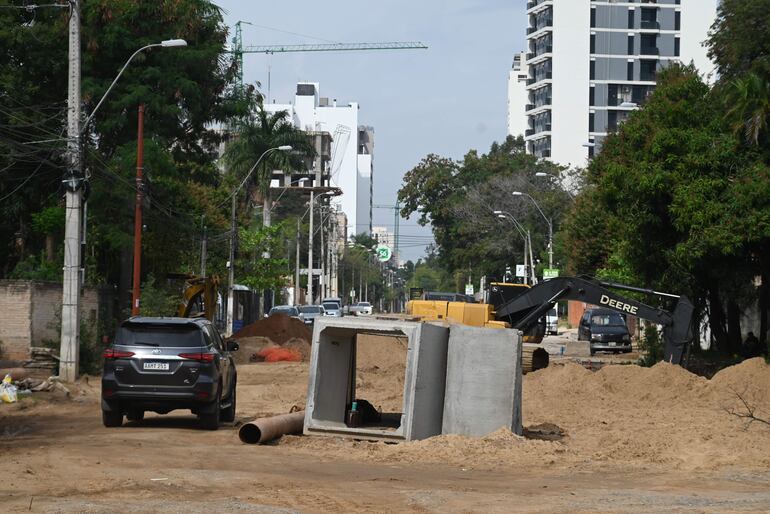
(329, 306)
(310, 309)
(159, 335)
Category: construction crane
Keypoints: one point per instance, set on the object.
(238, 49)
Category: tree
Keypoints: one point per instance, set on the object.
(682, 203)
(458, 199)
(253, 135)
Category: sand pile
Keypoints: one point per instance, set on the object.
(380, 370)
(619, 417)
(278, 328)
(277, 331)
(659, 415)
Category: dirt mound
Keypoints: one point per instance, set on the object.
(660, 415)
(278, 328)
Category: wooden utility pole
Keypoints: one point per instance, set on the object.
(138, 214)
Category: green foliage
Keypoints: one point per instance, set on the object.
(458, 199)
(254, 269)
(37, 267)
(49, 220)
(651, 345)
(157, 299)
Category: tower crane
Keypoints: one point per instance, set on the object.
(238, 49)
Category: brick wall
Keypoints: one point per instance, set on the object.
(15, 326)
(31, 314)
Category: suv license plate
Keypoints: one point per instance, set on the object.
(156, 366)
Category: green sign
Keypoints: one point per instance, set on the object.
(384, 253)
(550, 273)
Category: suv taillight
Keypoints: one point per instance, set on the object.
(200, 357)
(109, 353)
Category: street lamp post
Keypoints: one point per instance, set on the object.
(234, 234)
(548, 221)
(529, 271)
(73, 230)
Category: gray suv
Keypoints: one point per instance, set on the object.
(163, 364)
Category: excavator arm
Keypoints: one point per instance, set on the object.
(525, 310)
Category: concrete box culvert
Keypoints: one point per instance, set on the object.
(332, 379)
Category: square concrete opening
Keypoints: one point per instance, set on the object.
(410, 378)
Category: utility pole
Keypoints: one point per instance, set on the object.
(322, 281)
(309, 299)
(204, 249)
(69, 351)
(138, 214)
(296, 269)
(231, 270)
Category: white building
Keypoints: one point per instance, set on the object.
(350, 169)
(517, 95)
(591, 62)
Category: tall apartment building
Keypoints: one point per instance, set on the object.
(591, 62)
(352, 147)
(518, 95)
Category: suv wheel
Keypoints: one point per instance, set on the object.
(135, 415)
(112, 418)
(228, 413)
(210, 420)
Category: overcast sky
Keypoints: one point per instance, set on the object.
(444, 100)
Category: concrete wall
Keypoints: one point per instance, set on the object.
(483, 381)
(32, 313)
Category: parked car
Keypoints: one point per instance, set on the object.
(289, 310)
(309, 313)
(165, 364)
(606, 330)
(361, 309)
(332, 309)
(552, 322)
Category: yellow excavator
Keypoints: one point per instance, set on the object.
(436, 307)
(199, 297)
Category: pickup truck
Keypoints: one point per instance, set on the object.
(361, 309)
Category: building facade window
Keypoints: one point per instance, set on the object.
(631, 18)
(630, 45)
(592, 70)
(648, 70)
(592, 95)
(630, 70)
(591, 117)
(676, 47)
(593, 44)
(593, 17)
(677, 20)
(649, 18)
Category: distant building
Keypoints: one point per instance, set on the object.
(349, 168)
(591, 62)
(517, 95)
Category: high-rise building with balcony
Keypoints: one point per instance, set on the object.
(591, 62)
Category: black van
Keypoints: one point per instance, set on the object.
(606, 331)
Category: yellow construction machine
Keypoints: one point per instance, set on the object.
(199, 297)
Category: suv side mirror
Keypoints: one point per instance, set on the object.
(231, 345)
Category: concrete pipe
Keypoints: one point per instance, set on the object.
(263, 430)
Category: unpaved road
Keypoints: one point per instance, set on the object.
(57, 457)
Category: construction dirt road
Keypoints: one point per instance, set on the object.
(634, 439)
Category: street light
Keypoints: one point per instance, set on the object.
(233, 233)
(168, 43)
(524, 233)
(70, 309)
(548, 221)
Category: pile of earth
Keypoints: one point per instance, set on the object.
(618, 417)
(276, 338)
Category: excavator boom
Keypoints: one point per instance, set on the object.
(526, 309)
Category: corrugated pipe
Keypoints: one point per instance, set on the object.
(263, 430)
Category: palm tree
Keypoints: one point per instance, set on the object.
(748, 101)
(257, 133)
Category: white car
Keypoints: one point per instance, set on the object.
(361, 309)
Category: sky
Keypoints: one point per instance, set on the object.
(446, 100)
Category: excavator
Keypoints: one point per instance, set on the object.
(199, 297)
(526, 310)
(522, 307)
